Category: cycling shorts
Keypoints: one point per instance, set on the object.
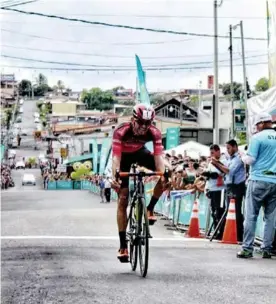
(142, 157)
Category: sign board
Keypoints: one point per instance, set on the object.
(62, 168)
(172, 137)
(65, 139)
(240, 125)
(63, 152)
(7, 77)
(210, 81)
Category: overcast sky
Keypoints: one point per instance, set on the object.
(153, 48)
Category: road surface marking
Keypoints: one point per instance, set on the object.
(65, 237)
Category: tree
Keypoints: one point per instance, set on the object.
(60, 86)
(97, 99)
(262, 84)
(40, 90)
(41, 80)
(226, 89)
(249, 92)
(25, 87)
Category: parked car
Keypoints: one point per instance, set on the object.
(19, 119)
(21, 110)
(20, 165)
(36, 120)
(23, 132)
(36, 115)
(28, 179)
(21, 101)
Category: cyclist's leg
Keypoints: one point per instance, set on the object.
(146, 159)
(122, 208)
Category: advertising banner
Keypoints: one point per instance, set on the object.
(172, 137)
(210, 82)
(144, 96)
(106, 144)
(95, 155)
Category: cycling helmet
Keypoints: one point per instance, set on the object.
(143, 112)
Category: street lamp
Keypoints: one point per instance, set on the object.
(234, 27)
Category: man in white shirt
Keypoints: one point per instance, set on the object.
(107, 189)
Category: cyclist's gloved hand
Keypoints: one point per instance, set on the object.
(115, 185)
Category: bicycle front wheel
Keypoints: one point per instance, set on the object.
(132, 232)
(143, 232)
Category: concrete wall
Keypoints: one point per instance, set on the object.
(64, 109)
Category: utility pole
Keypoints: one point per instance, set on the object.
(231, 83)
(244, 80)
(216, 92)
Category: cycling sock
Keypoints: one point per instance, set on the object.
(152, 203)
(123, 243)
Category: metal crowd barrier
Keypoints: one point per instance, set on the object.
(177, 207)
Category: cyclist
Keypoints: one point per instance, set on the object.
(128, 147)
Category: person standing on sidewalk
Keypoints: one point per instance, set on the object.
(107, 189)
(235, 182)
(261, 190)
(101, 185)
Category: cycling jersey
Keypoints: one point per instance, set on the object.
(124, 140)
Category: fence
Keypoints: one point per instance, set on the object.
(177, 208)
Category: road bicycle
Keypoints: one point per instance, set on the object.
(138, 232)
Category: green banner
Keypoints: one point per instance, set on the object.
(106, 144)
(172, 137)
(95, 155)
(239, 125)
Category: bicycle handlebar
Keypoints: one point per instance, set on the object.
(141, 174)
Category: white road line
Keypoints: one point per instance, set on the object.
(65, 237)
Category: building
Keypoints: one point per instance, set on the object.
(9, 90)
(195, 124)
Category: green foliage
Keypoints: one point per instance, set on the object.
(241, 138)
(226, 89)
(97, 99)
(25, 87)
(41, 80)
(262, 84)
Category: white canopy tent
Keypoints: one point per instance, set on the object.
(265, 102)
(192, 149)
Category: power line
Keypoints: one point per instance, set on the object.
(124, 26)
(127, 69)
(162, 16)
(109, 66)
(96, 42)
(12, 4)
(114, 56)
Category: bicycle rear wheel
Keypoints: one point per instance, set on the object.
(143, 233)
(132, 234)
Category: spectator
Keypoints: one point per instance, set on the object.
(261, 190)
(101, 185)
(107, 189)
(214, 187)
(235, 182)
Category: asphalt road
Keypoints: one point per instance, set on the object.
(61, 247)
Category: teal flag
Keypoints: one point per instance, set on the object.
(144, 96)
(172, 137)
(95, 155)
(106, 144)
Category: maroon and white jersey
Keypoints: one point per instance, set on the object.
(124, 140)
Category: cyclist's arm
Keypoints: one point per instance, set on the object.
(158, 152)
(116, 153)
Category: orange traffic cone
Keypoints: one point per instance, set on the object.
(230, 230)
(194, 223)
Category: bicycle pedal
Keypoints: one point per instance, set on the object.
(123, 259)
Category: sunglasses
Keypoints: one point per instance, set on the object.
(143, 122)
